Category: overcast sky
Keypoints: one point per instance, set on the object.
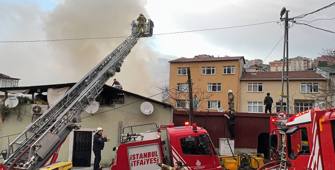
(67, 61)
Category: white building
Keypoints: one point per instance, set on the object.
(6, 81)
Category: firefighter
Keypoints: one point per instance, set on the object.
(117, 84)
(268, 103)
(141, 23)
(98, 145)
(178, 166)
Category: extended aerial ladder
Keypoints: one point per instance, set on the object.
(37, 143)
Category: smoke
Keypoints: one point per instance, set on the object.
(103, 18)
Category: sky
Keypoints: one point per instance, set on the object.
(67, 61)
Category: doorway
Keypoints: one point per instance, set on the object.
(82, 148)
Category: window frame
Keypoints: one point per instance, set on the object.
(210, 104)
(218, 87)
(179, 89)
(180, 71)
(204, 70)
(231, 68)
(309, 87)
(253, 86)
(302, 105)
(255, 106)
(209, 150)
(187, 104)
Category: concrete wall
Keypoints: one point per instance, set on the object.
(107, 117)
(200, 82)
(274, 87)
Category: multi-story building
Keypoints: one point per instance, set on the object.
(329, 73)
(212, 77)
(295, 64)
(256, 65)
(324, 60)
(305, 89)
(6, 81)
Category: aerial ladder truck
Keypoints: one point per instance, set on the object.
(40, 140)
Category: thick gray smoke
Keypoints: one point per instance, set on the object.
(103, 18)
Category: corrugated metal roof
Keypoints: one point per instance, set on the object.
(3, 76)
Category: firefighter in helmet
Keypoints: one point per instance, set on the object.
(141, 20)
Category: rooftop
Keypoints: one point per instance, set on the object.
(206, 58)
(107, 90)
(3, 76)
(293, 75)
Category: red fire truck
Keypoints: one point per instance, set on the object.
(190, 145)
(309, 141)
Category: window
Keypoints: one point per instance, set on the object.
(229, 70)
(309, 87)
(278, 106)
(214, 104)
(255, 87)
(197, 145)
(208, 70)
(333, 131)
(182, 71)
(255, 106)
(182, 87)
(182, 104)
(214, 87)
(302, 105)
(297, 142)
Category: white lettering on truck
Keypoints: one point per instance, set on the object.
(144, 157)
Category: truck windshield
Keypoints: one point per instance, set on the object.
(333, 131)
(298, 143)
(196, 145)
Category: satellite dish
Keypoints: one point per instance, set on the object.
(93, 107)
(147, 108)
(11, 102)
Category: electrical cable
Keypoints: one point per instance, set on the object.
(318, 19)
(318, 28)
(315, 11)
(117, 37)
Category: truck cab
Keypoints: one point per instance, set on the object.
(310, 140)
(190, 145)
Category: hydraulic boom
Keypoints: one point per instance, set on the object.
(36, 144)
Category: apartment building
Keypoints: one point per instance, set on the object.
(295, 64)
(306, 89)
(212, 77)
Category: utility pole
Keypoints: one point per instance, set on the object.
(190, 95)
(285, 70)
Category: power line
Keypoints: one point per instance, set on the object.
(318, 28)
(274, 47)
(315, 11)
(218, 28)
(117, 37)
(318, 19)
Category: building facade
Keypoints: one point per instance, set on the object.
(118, 109)
(7, 81)
(329, 73)
(256, 65)
(295, 64)
(305, 89)
(212, 77)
